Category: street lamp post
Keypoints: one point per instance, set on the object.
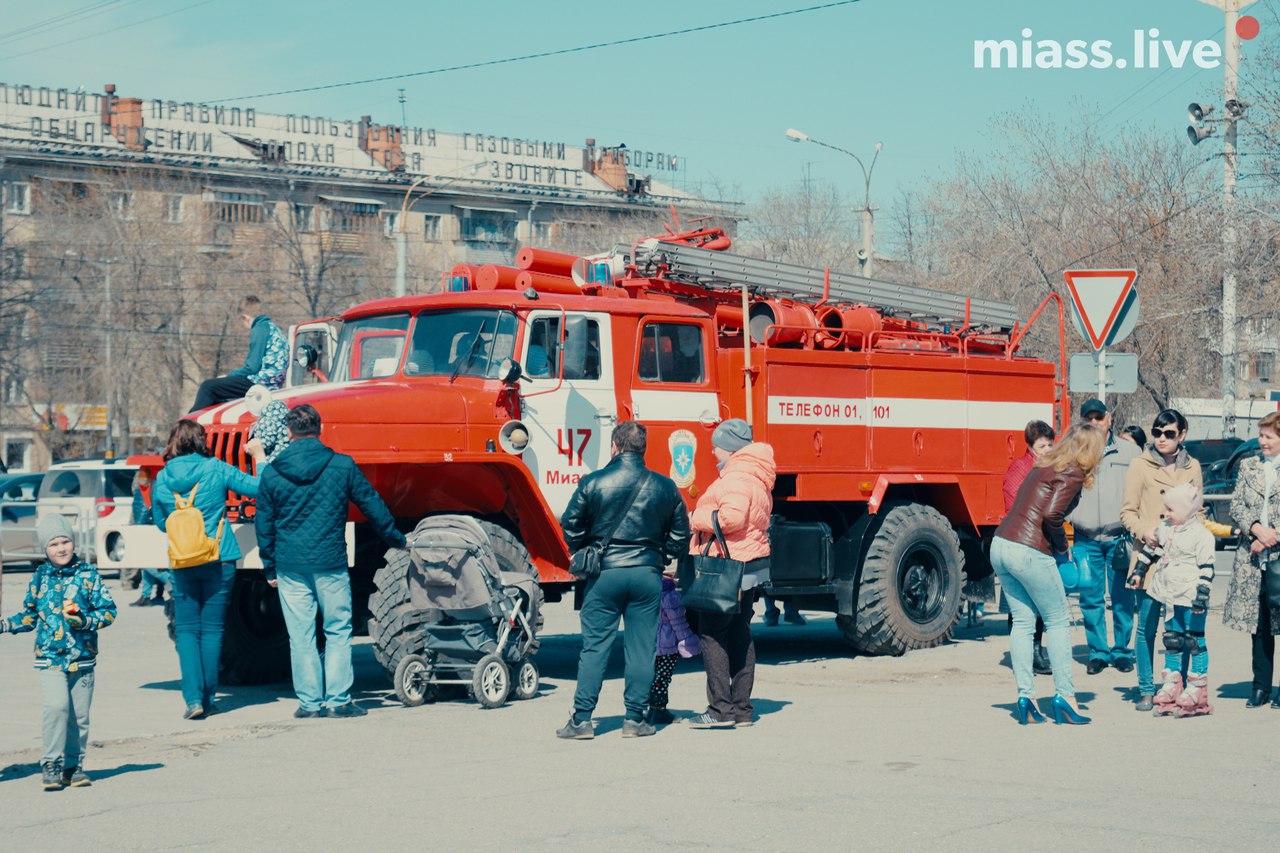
(104, 267)
(402, 249)
(866, 255)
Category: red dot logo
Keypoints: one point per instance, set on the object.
(1247, 27)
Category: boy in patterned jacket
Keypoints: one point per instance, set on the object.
(66, 604)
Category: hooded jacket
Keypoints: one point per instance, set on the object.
(303, 506)
(215, 478)
(743, 497)
(655, 528)
(58, 645)
(268, 357)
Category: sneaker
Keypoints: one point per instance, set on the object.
(637, 728)
(142, 601)
(577, 731)
(307, 713)
(1146, 702)
(1123, 664)
(743, 722)
(74, 777)
(1096, 665)
(660, 717)
(706, 721)
(51, 778)
(210, 709)
(193, 712)
(771, 618)
(794, 619)
(351, 709)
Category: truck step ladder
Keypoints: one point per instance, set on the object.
(706, 268)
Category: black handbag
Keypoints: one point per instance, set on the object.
(713, 584)
(1271, 577)
(586, 562)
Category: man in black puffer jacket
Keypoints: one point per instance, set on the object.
(647, 530)
(302, 508)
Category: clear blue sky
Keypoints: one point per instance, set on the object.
(896, 71)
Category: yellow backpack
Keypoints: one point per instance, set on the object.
(189, 545)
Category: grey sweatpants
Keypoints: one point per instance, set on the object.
(67, 696)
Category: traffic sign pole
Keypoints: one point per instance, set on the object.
(1102, 375)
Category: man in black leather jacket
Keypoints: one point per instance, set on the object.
(647, 532)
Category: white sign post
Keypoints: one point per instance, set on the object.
(1104, 311)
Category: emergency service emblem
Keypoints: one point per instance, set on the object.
(683, 445)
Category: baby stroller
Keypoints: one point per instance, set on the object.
(486, 617)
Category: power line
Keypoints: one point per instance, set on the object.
(541, 55)
(101, 33)
(65, 19)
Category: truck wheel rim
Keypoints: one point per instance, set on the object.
(922, 583)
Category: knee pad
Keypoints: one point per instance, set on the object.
(1173, 642)
(1195, 643)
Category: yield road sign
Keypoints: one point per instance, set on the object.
(1104, 303)
(1120, 372)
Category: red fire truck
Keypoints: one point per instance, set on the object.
(893, 412)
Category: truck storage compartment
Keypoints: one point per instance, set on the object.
(802, 552)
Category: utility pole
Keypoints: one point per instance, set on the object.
(1232, 112)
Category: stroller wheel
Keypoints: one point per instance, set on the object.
(413, 680)
(526, 686)
(491, 682)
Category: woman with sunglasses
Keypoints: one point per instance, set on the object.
(1164, 463)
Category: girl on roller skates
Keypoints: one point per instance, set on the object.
(1178, 572)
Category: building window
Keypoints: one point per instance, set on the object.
(350, 217)
(304, 217)
(1258, 366)
(19, 199)
(15, 263)
(121, 205)
(488, 226)
(173, 208)
(17, 455)
(235, 207)
(541, 233)
(11, 389)
(390, 224)
(431, 226)
(1259, 325)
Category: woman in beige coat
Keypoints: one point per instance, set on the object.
(1255, 507)
(1164, 463)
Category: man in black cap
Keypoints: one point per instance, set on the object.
(1101, 539)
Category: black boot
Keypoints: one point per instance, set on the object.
(1040, 661)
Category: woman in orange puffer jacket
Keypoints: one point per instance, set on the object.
(743, 499)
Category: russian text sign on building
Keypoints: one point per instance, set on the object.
(1104, 304)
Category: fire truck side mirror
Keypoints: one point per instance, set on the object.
(306, 356)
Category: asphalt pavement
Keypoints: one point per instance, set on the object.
(919, 752)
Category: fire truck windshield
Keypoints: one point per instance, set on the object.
(472, 342)
(370, 348)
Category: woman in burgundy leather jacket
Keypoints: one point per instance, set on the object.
(1029, 544)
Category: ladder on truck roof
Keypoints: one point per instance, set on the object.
(708, 268)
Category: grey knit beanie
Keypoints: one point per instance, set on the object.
(732, 435)
(50, 527)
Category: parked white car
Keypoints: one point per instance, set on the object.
(88, 492)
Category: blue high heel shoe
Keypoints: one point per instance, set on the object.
(1027, 710)
(1064, 713)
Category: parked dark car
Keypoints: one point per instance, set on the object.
(18, 494)
(1220, 481)
(1207, 451)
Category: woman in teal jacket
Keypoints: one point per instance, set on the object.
(200, 593)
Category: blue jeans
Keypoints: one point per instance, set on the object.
(1183, 621)
(65, 723)
(301, 593)
(1145, 641)
(153, 577)
(1032, 586)
(200, 596)
(1109, 562)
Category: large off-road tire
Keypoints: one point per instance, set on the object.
(909, 594)
(396, 625)
(255, 644)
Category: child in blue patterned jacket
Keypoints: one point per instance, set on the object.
(67, 602)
